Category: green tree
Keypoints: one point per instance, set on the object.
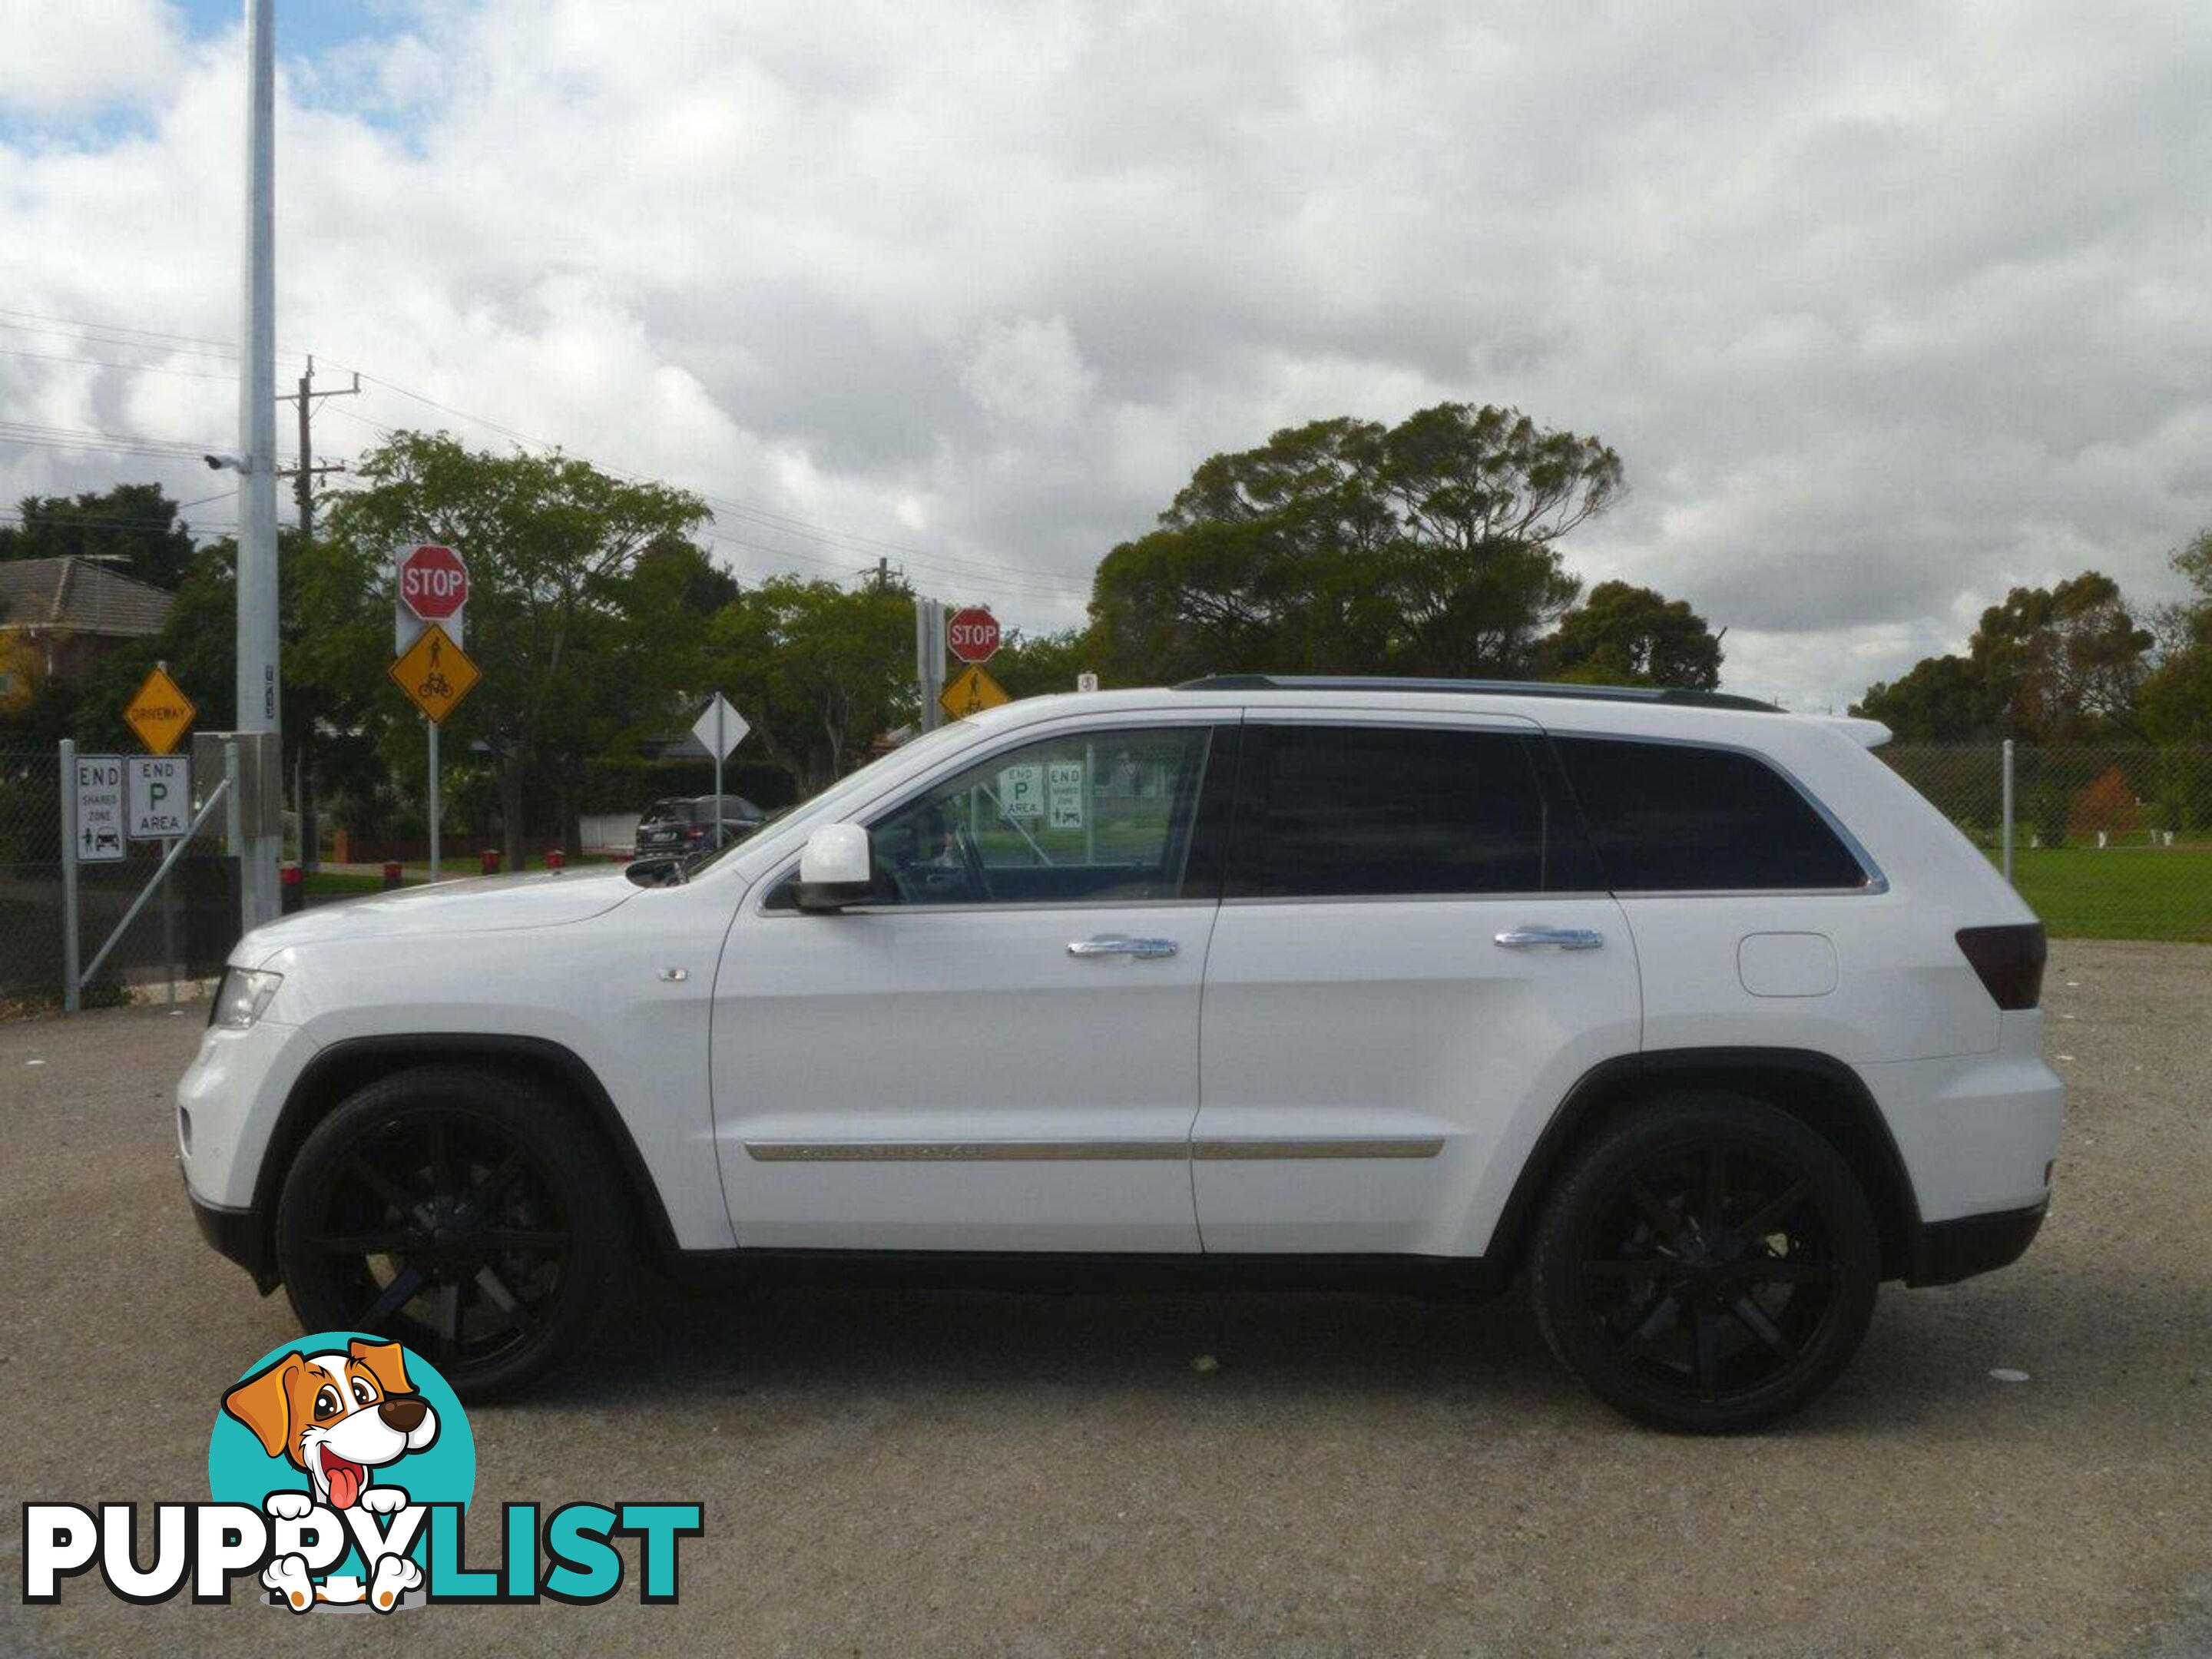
(1345, 545)
(134, 528)
(819, 673)
(2176, 697)
(1627, 635)
(1937, 700)
(1038, 665)
(2055, 664)
(553, 544)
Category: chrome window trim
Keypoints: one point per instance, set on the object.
(1216, 1150)
(1011, 905)
(1517, 896)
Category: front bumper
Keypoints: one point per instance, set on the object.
(1948, 1251)
(241, 1235)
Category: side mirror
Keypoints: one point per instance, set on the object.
(835, 870)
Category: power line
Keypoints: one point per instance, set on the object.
(102, 363)
(229, 354)
(1054, 583)
(230, 346)
(1049, 582)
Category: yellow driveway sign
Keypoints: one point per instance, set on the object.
(435, 673)
(971, 694)
(161, 713)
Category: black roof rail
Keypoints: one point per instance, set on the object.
(1671, 696)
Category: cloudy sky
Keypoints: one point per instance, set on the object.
(1887, 307)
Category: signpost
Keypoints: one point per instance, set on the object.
(972, 635)
(972, 693)
(160, 714)
(430, 595)
(1021, 791)
(436, 674)
(719, 729)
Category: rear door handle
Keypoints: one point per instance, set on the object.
(1116, 944)
(1551, 939)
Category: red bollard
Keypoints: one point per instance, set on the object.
(292, 889)
(555, 858)
(391, 874)
(488, 860)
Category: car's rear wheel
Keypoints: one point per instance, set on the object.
(1708, 1264)
(468, 1214)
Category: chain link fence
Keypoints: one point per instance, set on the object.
(183, 933)
(2109, 840)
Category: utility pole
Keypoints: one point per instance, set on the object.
(303, 478)
(258, 674)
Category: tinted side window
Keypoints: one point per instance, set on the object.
(1670, 817)
(1337, 811)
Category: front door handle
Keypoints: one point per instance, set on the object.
(1116, 944)
(1551, 939)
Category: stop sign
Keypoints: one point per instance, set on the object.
(972, 635)
(434, 583)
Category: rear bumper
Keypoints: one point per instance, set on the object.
(1948, 1251)
(237, 1234)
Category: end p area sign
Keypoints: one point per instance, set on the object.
(157, 796)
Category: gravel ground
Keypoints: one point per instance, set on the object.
(979, 1473)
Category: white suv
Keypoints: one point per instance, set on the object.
(1688, 1012)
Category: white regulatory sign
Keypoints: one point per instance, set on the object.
(158, 796)
(1021, 791)
(99, 809)
(1065, 795)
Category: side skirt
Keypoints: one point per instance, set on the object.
(1054, 1272)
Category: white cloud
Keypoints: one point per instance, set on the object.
(58, 60)
(1886, 307)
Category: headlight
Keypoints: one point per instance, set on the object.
(242, 998)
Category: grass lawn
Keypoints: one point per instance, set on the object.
(2121, 892)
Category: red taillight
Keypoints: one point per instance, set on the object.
(695, 831)
(2009, 962)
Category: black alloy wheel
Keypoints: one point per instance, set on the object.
(462, 1211)
(1709, 1264)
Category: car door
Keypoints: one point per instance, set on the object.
(999, 1050)
(1415, 959)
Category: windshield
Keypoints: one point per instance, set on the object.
(851, 784)
(662, 811)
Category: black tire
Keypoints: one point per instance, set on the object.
(1708, 1264)
(470, 1214)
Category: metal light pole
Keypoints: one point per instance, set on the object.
(257, 669)
(929, 659)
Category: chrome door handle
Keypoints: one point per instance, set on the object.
(1114, 944)
(1551, 939)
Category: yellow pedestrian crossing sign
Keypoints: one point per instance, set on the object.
(971, 694)
(161, 713)
(435, 672)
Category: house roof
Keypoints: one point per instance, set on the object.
(80, 596)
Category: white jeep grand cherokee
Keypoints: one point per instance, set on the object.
(1687, 1012)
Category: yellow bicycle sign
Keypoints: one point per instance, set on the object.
(435, 673)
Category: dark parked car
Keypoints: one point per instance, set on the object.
(695, 824)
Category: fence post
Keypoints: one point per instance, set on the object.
(72, 996)
(2007, 839)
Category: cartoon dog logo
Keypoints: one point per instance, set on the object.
(338, 1417)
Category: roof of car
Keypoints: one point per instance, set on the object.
(1362, 683)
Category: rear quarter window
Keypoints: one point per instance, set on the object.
(1670, 817)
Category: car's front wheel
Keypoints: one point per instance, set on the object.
(1708, 1263)
(470, 1214)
